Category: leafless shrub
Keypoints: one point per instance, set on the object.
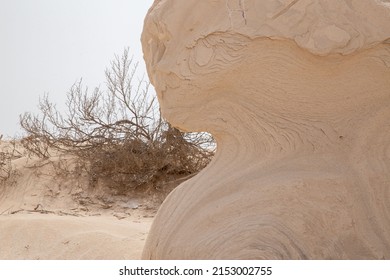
(118, 132)
(5, 166)
(7, 171)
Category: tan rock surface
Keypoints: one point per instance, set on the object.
(297, 95)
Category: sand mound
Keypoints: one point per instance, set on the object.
(46, 213)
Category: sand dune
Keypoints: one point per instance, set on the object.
(48, 215)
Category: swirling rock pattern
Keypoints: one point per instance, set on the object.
(297, 95)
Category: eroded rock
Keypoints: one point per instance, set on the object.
(297, 95)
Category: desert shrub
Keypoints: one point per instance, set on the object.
(5, 167)
(7, 154)
(117, 132)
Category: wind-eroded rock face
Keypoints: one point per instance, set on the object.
(297, 95)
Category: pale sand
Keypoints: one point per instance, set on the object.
(48, 237)
(47, 215)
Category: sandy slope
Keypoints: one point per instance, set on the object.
(46, 214)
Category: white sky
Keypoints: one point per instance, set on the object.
(47, 45)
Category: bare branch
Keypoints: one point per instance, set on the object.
(118, 131)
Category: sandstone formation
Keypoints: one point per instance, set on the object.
(297, 95)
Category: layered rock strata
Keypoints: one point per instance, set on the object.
(297, 95)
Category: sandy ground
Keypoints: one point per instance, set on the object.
(50, 236)
(48, 215)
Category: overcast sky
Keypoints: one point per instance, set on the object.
(47, 45)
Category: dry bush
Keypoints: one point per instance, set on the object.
(117, 132)
(5, 167)
(7, 171)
